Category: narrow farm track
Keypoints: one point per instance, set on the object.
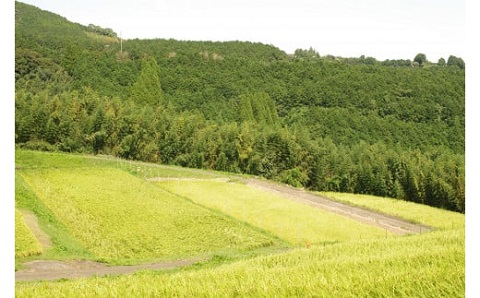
(53, 270)
(32, 222)
(390, 223)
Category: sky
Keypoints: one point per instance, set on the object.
(383, 29)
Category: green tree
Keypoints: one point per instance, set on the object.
(245, 109)
(455, 61)
(420, 58)
(307, 54)
(147, 88)
(441, 62)
(244, 143)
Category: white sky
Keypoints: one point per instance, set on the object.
(384, 29)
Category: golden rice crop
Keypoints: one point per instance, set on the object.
(121, 218)
(418, 213)
(426, 265)
(292, 221)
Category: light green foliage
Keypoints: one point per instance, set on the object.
(245, 108)
(258, 107)
(147, 89)
(122, 219)
(428, 265)
(25, 242)
(420, 58)
(423, 214)
(292, 221)
(306, 54)
(101, 31)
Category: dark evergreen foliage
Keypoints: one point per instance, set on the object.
(325, 123)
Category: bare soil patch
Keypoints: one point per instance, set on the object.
(160, 179)
(52, 270)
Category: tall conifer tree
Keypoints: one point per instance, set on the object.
(147, 88)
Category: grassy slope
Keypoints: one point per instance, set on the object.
(27, 159)
(292, 221)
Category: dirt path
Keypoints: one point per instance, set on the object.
(390, 223)
(32, 222)
(160, 179)
(52, 270)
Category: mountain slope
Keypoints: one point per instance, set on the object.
(326, 123)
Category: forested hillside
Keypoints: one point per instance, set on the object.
(392, 128)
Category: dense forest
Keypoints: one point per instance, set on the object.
(392, 128)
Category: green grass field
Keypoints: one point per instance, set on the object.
(105, 209)
(26, 159)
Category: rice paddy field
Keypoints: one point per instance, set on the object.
(418, 266)
(253, 243)
(118, 217)
(297, 223)
(434, 217)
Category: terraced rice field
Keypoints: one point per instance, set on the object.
(205, 234)
(295, 222)
(428, 265)
(119, 217)
(434, 217)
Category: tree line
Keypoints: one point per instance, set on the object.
(86, 122)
